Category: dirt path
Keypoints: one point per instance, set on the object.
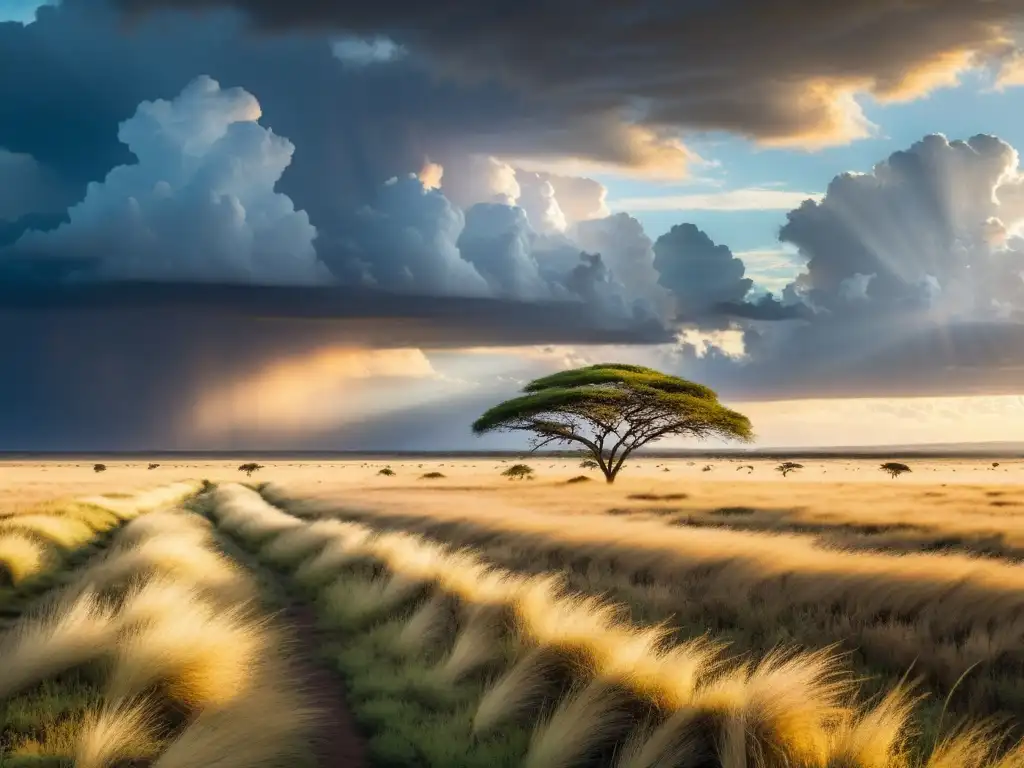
(339, 744)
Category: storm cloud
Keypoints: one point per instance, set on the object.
(784, 72)
(199, 203)
(302, 183)
(913, 284)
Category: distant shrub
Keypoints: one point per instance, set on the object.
(432, 476)
(153, 466)
(387, 472)
(250, 468)
(788, 466)
(707, 468)
(894, 468)
(995, 464)
(518, 472)
(99, 467)
(589, 464)
(578, 479)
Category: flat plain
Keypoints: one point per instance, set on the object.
(433, 612)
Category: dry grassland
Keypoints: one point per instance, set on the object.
(727, 618)
(154, 652)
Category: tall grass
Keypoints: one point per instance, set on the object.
(22, 556)
(945, 614)
(595, 675)
(35, 542)
(179, 670)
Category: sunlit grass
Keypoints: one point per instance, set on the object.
(164, 625)
(606, 689)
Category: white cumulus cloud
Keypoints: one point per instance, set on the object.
(200, 202)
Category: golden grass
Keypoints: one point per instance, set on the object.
(149, 611)
(164, 523)
(22, 556)
(200, 656)
(121, 731)
(269, 726)
(65, 634)
(32, 543)
(788, 709)
(65, 532)
(180, 556)
(946, 612)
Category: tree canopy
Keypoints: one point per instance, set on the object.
(611, 410)
(894, 468)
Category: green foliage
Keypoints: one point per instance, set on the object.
(518, 472)
(250, 468)
(387, 472)
(589, 464)
(788, 466)
(894, 468)
(611, 410)
(619, 373)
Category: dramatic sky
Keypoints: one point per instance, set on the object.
(322, 224)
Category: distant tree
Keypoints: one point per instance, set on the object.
(995, 464)
(99, 467)
(250, 468)
(518, 472)
(612, 410)
(894, 468)
(589, 464)
(153, 466)
(788, 466)
(387, 472)
(431, 476)
(706, 468)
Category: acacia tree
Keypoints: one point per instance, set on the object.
(518, 472)
(894, 468)
(613, 409)
(788, 466)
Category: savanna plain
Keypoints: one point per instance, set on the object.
(436, 612)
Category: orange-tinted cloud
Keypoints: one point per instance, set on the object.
(783, 72)
(310, 392)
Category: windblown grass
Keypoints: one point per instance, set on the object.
(946, 615)
(172, 673)
(36, 542)
(609, 690)
(22, 556)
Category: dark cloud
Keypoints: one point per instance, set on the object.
(125, 366)
(889, 356)
(914, 284)
(415, 187)
(407, 241)
(28, 187)
(198, 203)
(498, 241)
(699, 273)
(783, 70)
(928, 228)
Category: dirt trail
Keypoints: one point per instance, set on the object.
(338, 744)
